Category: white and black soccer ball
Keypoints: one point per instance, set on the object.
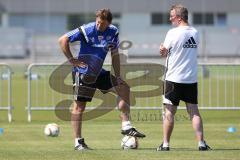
(52, 130)
(129, 142)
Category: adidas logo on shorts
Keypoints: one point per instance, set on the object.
(190, 43)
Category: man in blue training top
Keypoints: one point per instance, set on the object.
(96, 39)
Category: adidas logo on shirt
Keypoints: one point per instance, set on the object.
(190, 43)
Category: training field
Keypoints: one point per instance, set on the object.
(24, 140)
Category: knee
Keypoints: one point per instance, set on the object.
(193, 112)
(78, 108)
(168, 116)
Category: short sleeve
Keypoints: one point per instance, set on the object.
(168, 40)
(74, 35)
(115, 41)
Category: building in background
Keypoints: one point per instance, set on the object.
(33, 26)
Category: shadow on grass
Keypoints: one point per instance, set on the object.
(226, 149)
(194, 149)
(172, 149)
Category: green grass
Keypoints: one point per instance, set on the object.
(23, 140)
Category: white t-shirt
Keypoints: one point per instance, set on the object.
(182, 43)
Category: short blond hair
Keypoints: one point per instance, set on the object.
(181, 11)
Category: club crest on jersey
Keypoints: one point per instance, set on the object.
(100, 38)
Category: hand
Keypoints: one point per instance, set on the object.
(75, 62)
(163, 50)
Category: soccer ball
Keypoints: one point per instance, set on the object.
(129, 142)
(52, 130)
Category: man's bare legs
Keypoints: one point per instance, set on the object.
(168, 123)
(123, 92)
(76, 121)
(197, 125)
(196, 119)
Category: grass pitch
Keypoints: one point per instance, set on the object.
(26, 141)
(23, 140)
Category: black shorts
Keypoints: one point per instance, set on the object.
(175, 92)
(84, 91)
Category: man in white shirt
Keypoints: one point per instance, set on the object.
(180, 48)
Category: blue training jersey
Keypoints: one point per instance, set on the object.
(94, 46)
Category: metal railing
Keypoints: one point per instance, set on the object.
(217, 84)
(6, 89)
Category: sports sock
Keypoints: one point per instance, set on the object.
(76, 141)
(201, 144)
(126, 125)
(165, 144)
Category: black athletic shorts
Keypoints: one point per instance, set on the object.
(174, 92)
(84, 91)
